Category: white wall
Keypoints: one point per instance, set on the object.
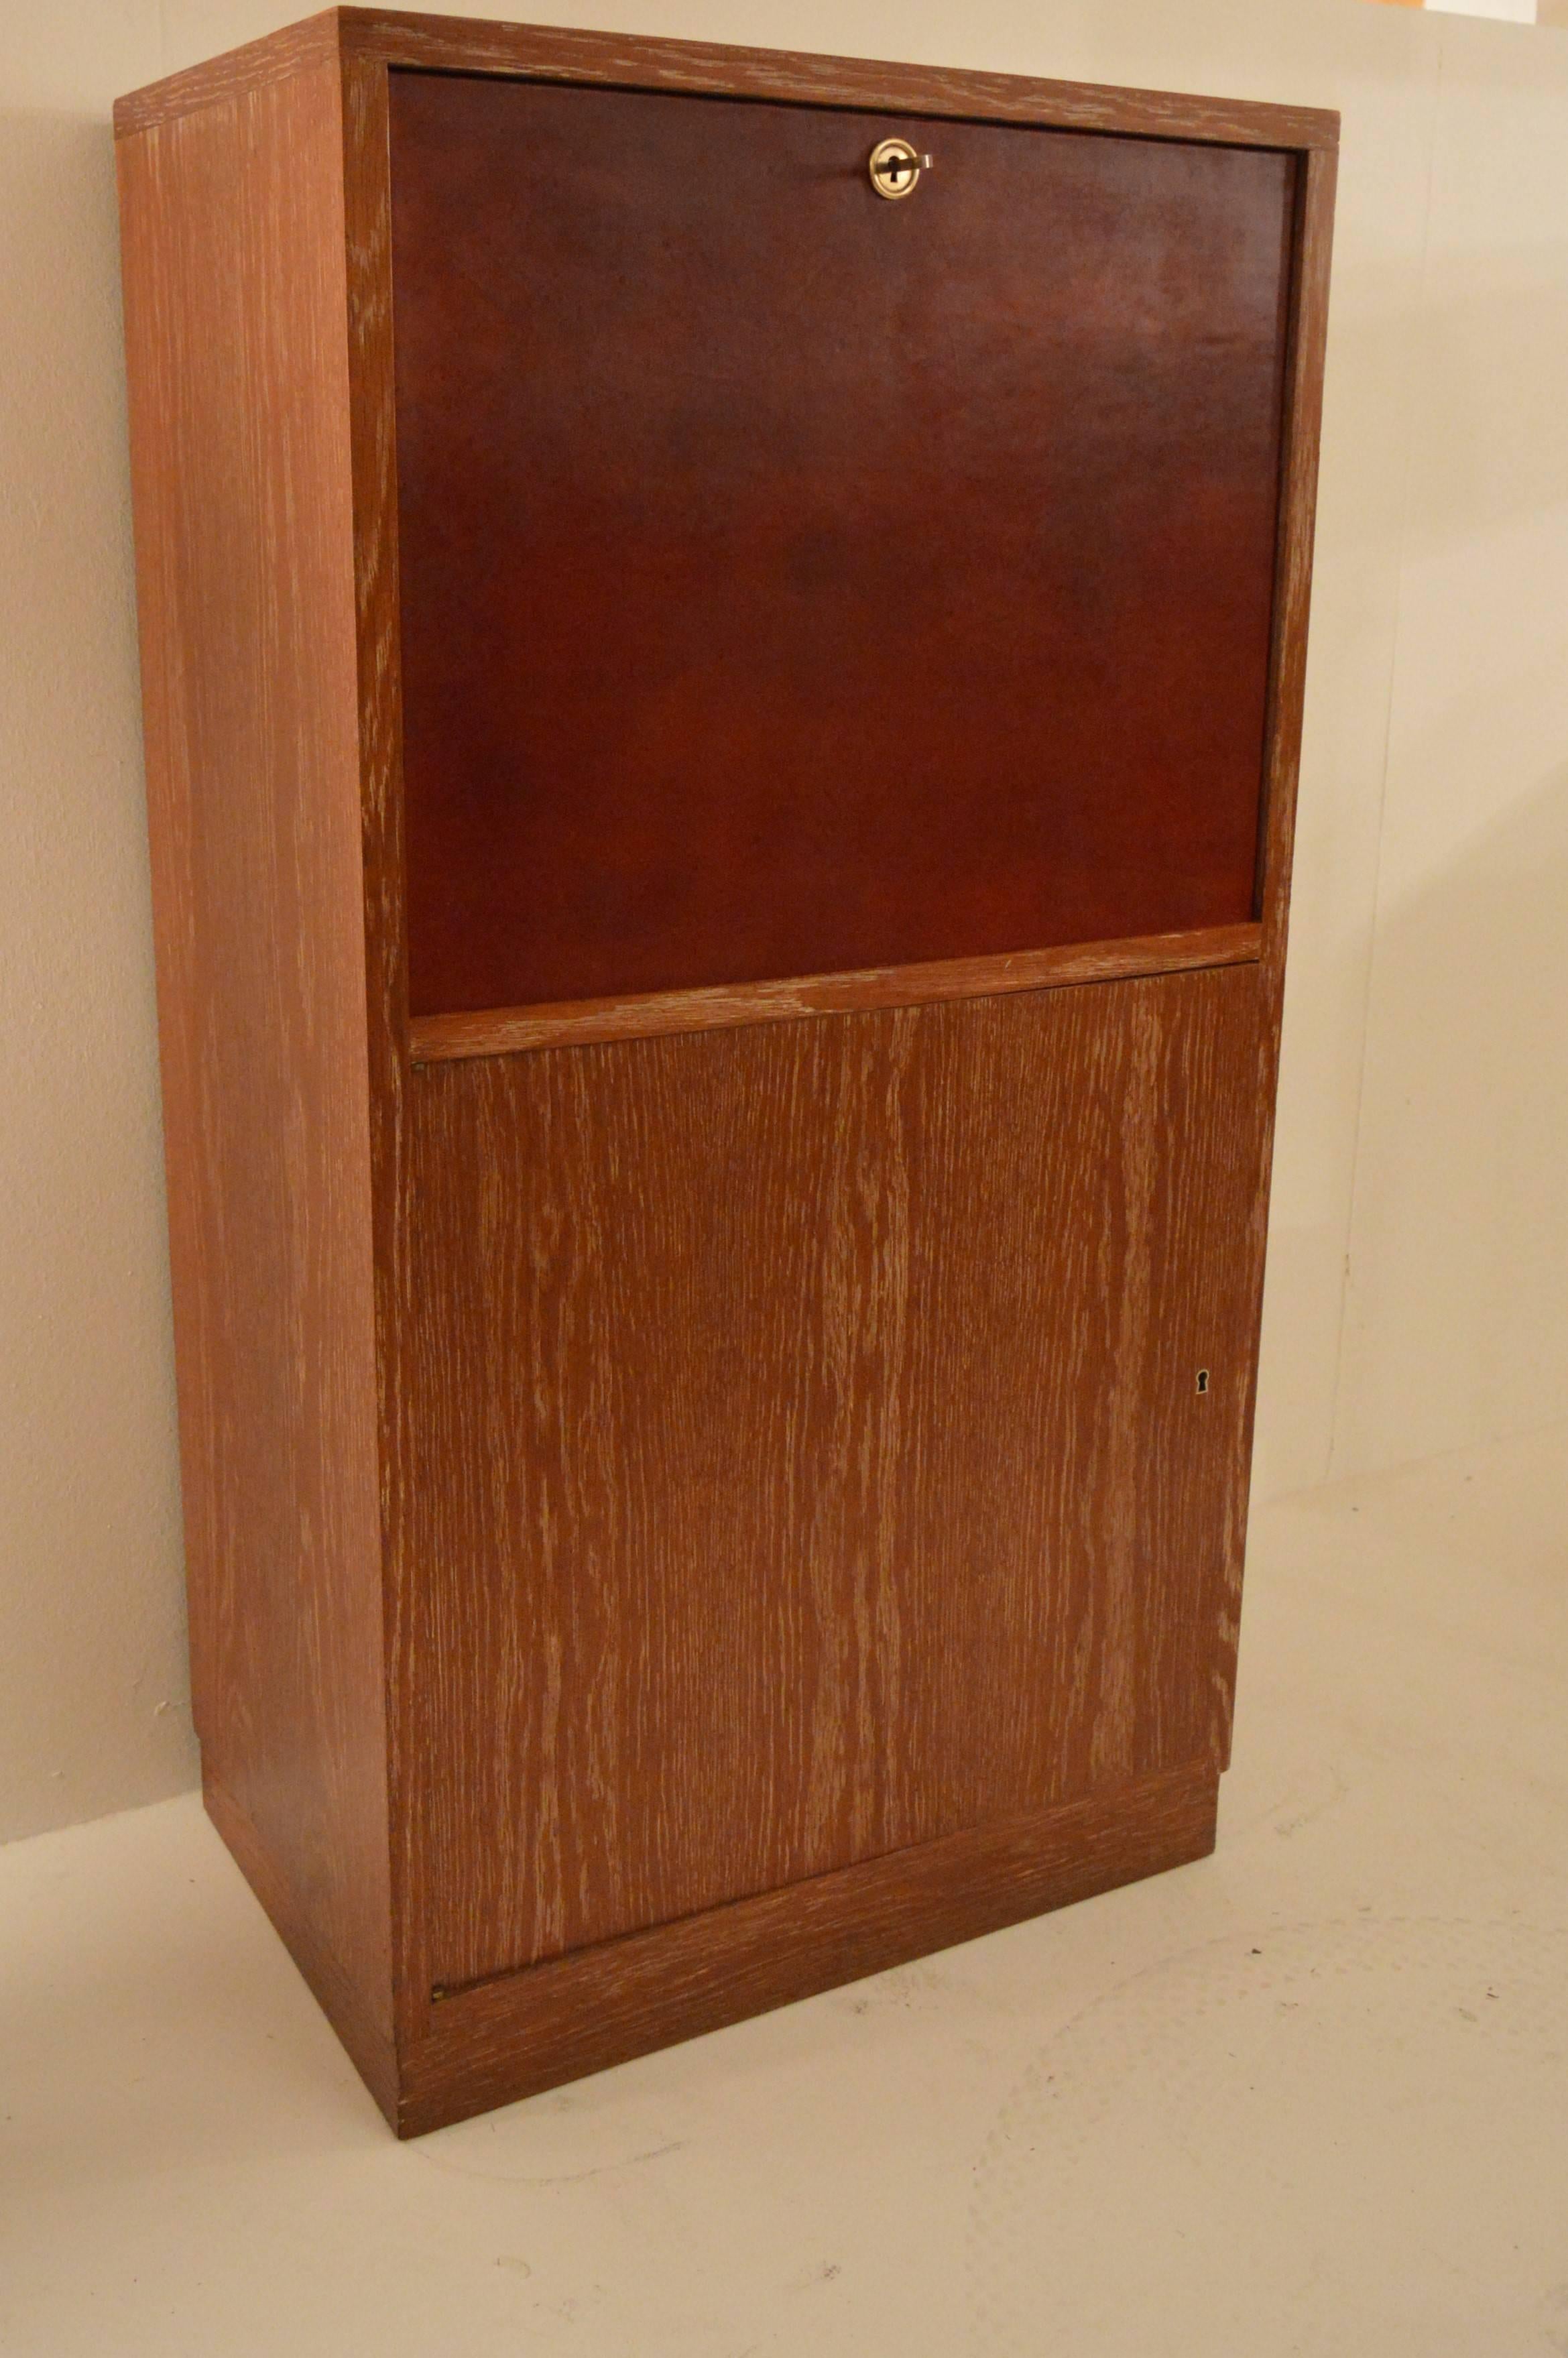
(1512, 12)
(1457, 1324)
(91, 1678)
(1423, 1121)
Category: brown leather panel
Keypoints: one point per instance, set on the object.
(794, 582)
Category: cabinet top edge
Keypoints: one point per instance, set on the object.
(636, 61)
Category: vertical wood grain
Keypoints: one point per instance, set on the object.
(373, 440)
(1317, 173)
(1298, 512)
(808, 1459)
(238, 362)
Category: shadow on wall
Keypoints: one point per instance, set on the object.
(1458, 1312)
(1456, 1316)
(1493, 451)
(92, 1683)
(1456, 1325)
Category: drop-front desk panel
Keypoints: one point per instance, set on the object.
(796, 583)
(721, 749)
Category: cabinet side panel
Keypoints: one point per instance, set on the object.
(234, 257)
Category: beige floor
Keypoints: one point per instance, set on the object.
(1309, 2097)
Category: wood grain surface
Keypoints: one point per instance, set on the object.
(232, 222)
(531, 2031)
(1298, 507)
(699, 612)
(372, 430)
(504, 1031)
(808, 1456)
(352, 2006)
(674, 1521)
(384, 37)
(313, 43)
(1298, 512)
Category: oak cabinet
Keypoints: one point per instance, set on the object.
(721, 745)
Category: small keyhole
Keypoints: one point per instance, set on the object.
(896, 167)
(1203, 1380)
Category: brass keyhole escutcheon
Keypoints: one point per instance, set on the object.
(896, 167)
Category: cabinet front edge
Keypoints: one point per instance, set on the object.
(634, 61)
(508, 1031)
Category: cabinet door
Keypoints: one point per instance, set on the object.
(797, 582)
(807, 1451)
